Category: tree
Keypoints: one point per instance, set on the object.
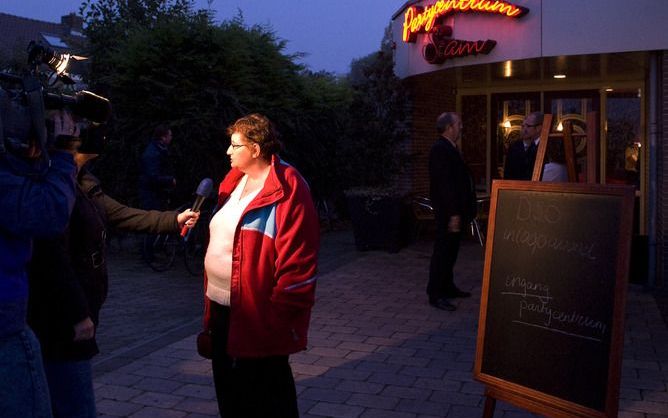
(374, 148)
(161, 62)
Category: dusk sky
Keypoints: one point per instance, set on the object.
(331, 32)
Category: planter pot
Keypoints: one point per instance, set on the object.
(377, 221)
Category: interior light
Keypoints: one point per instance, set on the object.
(508, 69)
(609, 90)
(506, 124)
(560, 127)
(559, 76)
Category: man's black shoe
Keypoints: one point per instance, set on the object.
(443, 304)
(457, 293)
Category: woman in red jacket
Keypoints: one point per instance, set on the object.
(260, 275)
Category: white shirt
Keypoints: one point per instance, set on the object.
(218, 259)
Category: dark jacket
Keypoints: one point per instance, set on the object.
(450, 183)
(35, 201)
(157, 176)
(519, 162)
(68, 274)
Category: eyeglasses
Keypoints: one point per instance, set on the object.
(237, 146)
(531, 126)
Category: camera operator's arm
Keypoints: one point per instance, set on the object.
(36, 200)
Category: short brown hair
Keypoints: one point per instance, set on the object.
(259, 129)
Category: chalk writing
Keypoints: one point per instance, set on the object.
(526, 287)
(537, 211)
(558, 331)
(554, 315)
(539, 241)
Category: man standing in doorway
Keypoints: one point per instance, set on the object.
(157, 178)
(521, 155)
(453, 198)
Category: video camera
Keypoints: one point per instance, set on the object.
(24, 100)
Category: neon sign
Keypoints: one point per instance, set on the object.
(438, 53)
(417, 19)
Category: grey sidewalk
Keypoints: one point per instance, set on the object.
(376, 349)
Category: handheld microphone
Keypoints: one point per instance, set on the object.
(203, 191)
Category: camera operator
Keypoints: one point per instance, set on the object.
(68, 282)
(36, 198)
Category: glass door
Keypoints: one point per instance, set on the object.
(573, 106)
(508, 113)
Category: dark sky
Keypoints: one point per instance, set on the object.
(331, 32)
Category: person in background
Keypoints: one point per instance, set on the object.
(260, 275)
(555, 167)
(453, 197)
(68, 283)
(156, 179)
(36, 198)
(521, 155)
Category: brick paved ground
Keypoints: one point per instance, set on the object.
(376, 348)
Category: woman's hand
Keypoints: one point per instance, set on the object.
(187, 218)
(84, 330)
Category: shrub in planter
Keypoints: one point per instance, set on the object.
(378, 217)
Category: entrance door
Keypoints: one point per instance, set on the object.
(573, 106)
(508, 113)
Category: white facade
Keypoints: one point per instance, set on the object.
(550, 28)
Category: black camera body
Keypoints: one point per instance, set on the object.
(25, 99)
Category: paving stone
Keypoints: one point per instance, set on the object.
(406, 392)
(115, 392)
(392, 379)
(373, 341)
(157, 385)
(354, 386)
(197, 391)
(117, 408)
(373, 401)
(322, 382)
(199, 406)
(336, 410)
(160, 400)
(326, 395)
(384, 413)
(151, 412)
(422, 407)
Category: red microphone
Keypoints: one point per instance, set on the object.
(203, 191)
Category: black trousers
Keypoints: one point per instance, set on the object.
(249, 387)
(446, 249)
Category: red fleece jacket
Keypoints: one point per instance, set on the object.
(274, 263)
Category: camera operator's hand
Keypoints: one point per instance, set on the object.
(64, 125)
(84, 330)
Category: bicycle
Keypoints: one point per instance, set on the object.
(159, 250)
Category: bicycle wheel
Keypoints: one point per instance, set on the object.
(195, 249)
(160, 250)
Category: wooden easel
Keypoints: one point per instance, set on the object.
(567, 137)
(545, 405)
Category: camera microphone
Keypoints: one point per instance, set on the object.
(203, 191)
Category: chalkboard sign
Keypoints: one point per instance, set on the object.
(551, 317)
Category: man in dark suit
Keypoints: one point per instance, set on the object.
(521, 155)
(453, 198)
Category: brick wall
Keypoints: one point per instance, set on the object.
(431, 94)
